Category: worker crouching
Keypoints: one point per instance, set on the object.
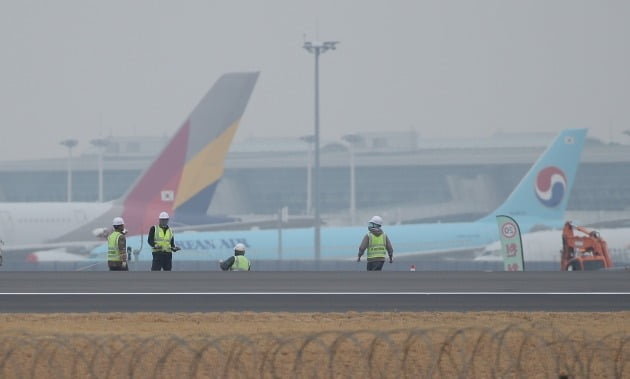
(238, 262)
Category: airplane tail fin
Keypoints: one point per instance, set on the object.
(184, 176)
(543, 193)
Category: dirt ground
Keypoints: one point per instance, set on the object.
(247, 323)
(278, 345)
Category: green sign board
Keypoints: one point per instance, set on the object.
(511, 244)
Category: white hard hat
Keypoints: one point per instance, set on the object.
(118, 221)
(163, 215)
(376, 220)
(239, 247)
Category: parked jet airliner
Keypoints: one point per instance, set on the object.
(181, 180)
(540, 199)
(546, 245)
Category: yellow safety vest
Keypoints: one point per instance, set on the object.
(162, 240)
(376, 246)
(113, 254)
(240, 263)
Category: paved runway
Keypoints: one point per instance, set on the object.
(313, 291)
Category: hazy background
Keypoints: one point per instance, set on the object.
(85, 69)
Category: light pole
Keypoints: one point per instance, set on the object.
(309, 162)
(317, 48)
(100, 143)
(352, 140)
(69, 143)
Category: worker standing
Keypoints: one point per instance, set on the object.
(238, 262)
(117, 247)
(162, 242)
(377, 244)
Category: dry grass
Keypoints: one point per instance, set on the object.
(284, 323)
(353, 344)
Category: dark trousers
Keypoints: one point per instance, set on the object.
(117, 266)
(375, 265)
(162, 261)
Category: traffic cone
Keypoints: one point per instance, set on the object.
(412, 267)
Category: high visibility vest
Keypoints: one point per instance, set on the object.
(162, 239)
(113, 254)
(376, 246)
(240, 263)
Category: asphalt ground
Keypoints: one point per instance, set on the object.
(339, 291)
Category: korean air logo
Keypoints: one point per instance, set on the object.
(551, 185)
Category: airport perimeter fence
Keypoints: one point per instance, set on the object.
(509, 352)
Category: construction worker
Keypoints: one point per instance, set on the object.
(162, 241)
(238, 262)
(117, 247)
(377, 244)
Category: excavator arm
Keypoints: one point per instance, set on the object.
(583, 251)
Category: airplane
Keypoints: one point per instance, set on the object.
(539, 200)
(181, 181)
(545, 246)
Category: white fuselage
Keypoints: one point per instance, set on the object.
(545, 246)
(34, 223)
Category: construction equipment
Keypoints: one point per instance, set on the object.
(586, 252)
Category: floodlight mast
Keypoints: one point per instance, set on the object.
(351, 140)
(317, 48)
(100, 143)
(309, 169)
(69, 143)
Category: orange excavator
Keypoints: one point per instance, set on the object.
(585, 251)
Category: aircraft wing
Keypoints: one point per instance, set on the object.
(448, 254)
(77, 246)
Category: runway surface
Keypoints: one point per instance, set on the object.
(313, 291)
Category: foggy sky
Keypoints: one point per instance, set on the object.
(86, 69)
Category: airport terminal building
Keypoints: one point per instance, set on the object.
(399, 175)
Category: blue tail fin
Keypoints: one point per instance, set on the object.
(543, 193)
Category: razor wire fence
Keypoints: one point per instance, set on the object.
(508, 352)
